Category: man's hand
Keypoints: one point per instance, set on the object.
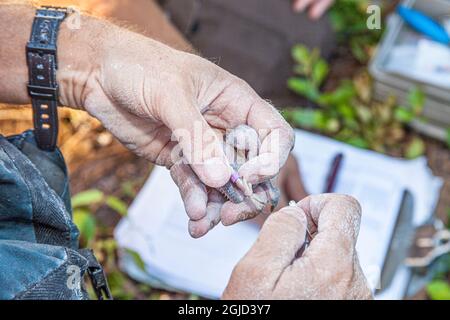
(159, 102)
(327, 269)
(316, 8)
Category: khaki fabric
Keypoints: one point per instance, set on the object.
(251, 38)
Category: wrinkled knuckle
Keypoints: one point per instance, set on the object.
(184, 182)
(239, 83)
(144, 151)
(352, 203)
(164, 160)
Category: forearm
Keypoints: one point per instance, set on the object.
(143, 16)
(78, 53)
(15, 23)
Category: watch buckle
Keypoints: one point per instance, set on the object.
(43, 93)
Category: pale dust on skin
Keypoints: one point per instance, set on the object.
(242, 144)
(143, 91)
(205, 213)
(328, 269)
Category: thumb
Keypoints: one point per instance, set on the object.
(200, 146)
(281, 237)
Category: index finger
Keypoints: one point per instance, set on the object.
(319, 8)
(330, 263)
(277, 140)
(337, 218)
(236, 104)
(279, 240)
(334, 215)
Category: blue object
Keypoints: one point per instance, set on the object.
(39, 254)
(424, 24)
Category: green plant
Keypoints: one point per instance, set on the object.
(439, 288)
(95, 235)
(349, 20)
(87, 202)
(349, 113)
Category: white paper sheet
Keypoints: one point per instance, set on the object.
(156, 226)
(426, 61)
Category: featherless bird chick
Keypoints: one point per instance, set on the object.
(242, 144)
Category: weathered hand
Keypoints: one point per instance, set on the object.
(162, 103)
(240, 145)
(316, 8)
(275, 267)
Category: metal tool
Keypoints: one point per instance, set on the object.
(431, 242)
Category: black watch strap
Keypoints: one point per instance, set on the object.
(42, 65)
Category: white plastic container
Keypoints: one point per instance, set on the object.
(437, 107)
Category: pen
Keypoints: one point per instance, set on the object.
(424, 24)
(333, 173)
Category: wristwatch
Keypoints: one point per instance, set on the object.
(42, 65)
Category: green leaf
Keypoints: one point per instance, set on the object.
(117, 205)
(86, 223)
(308, 119)
(116, 281)
(301, 70)
(439, 290)
(304, 88)
(358, 50)
(346, 111)
(403, 115)
(144, 288)
(319, 72)
(358, 142)
(288, 114)
(87, 198)
(343, 94)
(301, 55)
(337, 21)
(415, 148)
(416, 99)
(137, 259)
